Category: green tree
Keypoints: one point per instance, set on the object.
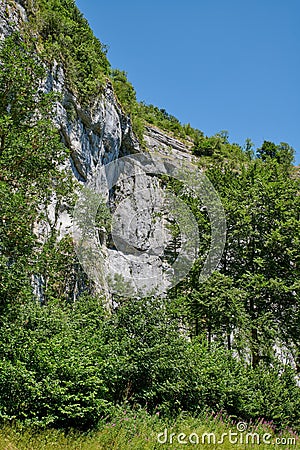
(253, 302)
(30, 155)
(218, 310)
(124, 90)
(262, 249)
(282, 153)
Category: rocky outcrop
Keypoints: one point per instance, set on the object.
(96, 136)
(158, 140)
(12, 14)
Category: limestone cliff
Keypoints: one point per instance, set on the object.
(96, 136)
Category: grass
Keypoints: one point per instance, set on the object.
(139, 431)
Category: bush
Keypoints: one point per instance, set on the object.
(51, 373)
(66, 37)
(68, 366)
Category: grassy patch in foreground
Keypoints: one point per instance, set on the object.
(139, 431)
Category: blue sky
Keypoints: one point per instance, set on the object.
(217, 64)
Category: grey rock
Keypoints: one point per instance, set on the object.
(12, 14)
(96, 136)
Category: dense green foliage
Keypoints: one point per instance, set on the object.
(160, 118)
(69, 365)
(253, 301)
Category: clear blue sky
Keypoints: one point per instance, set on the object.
(218, 64)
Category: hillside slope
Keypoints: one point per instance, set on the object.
(114, 217)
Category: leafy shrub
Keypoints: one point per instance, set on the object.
(68, 366)
(66, 37)
(51, 372)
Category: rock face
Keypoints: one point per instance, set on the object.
(97, 136)
(157, 140)
(12, 14)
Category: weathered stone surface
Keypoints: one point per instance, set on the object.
(139, 232)
(96, 136)
(12, 14)
(161, 142)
